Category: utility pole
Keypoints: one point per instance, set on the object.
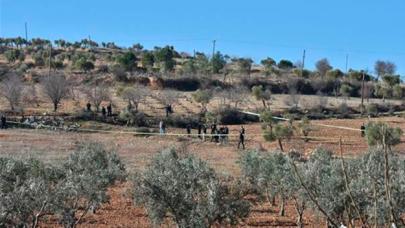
(26, 32)
(362, 94)
(303, 64)
(213, 54)
(347, 61)
(50, 59)
(213, 48)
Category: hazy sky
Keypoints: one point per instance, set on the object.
(366, 30)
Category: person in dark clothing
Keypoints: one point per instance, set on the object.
(213, 132)
(363, 130)
(199, 130)
(222, 134)
(3, 122)
(241, 137)
(103, 112)
(169, 110)
(226, 132)
(88, 106)
(188, 129)
(109, 110)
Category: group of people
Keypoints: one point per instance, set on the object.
(104, 111)
(217, 135)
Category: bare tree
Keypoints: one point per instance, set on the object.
(31, 95)
(135, 95)
(368, 90)
(97, 94)
(232, 97)
(168, 97)
(294, 97)
(323, 66)
(382, 68)
(11, 88)
(236, 95)
(56, 87)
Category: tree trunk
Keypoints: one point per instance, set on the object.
(282, 207)
(55, 106)
(264, 103)
(280, 144)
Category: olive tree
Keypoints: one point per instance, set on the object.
(27, 191)
(270, 175)
(88, 172)
(56, 87)
(262, 95)
(275, 131)
(203, 97)
(187, 190)
(11, 88)
(135, 95)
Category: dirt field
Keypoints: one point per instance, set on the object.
(136, 151)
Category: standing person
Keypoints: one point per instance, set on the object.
(103, 112)
(204, 129)
(241, 137)
(188, 129)
(109, 110)
(3, 122)
(363, 130)
(213, 131)
(226, 137)
(88, 106)
(162, 127)
(169, 110)
(199, 130)
(222, 135)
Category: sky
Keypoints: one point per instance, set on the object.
(363, 30)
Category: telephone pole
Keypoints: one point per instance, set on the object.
(362, 93)
(26, 32)
(213, 48)
(303, 64)
(347, 61)
(50, 59)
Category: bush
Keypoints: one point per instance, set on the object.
(133, 118)
(181, 121)
(343, 110)
(84, 115)
(372, 110)
(26, 191)
(30, 190)
(89, 171)
(189, 190)
(119, 73)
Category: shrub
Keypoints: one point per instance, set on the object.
(372, 110)
(89, 171)
(119, 73)
(189, 190)
(343, 110)
(27, 191)
(181, 121)
(133, 118)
